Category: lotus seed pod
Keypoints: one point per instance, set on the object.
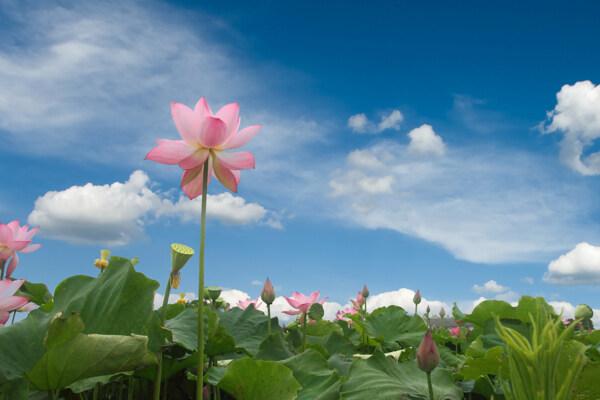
(417, 297)
(180, 254)
(105, 254)
(428, 356)
(316, 312)
(214, 292)
(205, 294)
(583, 311)
(268, 293)
(365, 292)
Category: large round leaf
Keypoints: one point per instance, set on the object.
(248, 327)
(118, 302)
(312, 372)
(247, 379)
(383, 378)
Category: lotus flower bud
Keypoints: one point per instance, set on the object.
(417, 297)
(180, 254)
(442, 312)
(583, 311)
(428, 356)
(428, 310)
(268, 293)
(316, 312)
(365, 292)
(214, 292)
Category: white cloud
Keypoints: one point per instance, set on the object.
(404, 298)
(580, 266)
(159, 298)
(512, 206)
(489, 287)
(359, 123)
(577, 115)
(528, 279)
(257, 283)
(115, 214)
(423, 140)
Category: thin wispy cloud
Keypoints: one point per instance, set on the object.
(359, 123)
(482, 208)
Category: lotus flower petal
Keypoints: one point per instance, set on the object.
(224, 175)
(169, 152)
(236, 160)
(195, 159)
(241, 138)
(213, 132)
(229, 115)
(187, 122)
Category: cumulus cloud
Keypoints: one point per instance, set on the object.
(423, 140)
(480, 208)
(404, 298)
(359, 123)
(580, 266)
(489, 287)
(577, 116)
(115, 214)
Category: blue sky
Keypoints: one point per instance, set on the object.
(441, 148)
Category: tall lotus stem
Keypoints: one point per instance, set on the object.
(163, 317)
(269, 316)
(200, 382)
(268, 296)
(303, 332)
(429, 385)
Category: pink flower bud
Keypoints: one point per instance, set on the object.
(417, 297)
(365, 292)
(268, 293)
(442, 312)
(428, 356)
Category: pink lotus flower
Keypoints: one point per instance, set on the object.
(8, 302)
(13, 239)
(455, 331)
(206, 136)
(302, 303)
(359, 302)
(243, 304)
(341, 315)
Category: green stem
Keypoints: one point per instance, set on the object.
(269, 315)
(429, 385)
(12, 321)
(50, 392)
(130, 388)
(303, 331)
(120, 395)
(163, 318)
(416, 308)
(96, 390)
(200, 382)
(2, 264)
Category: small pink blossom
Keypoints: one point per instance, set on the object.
(455, 332)
(243, 304)
(341, 315)
(205, 137)
(359, 302)
(302, 303)
(8, 302)
(565, 321)
(13, 239)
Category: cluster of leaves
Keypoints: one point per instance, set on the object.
(100, 337)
